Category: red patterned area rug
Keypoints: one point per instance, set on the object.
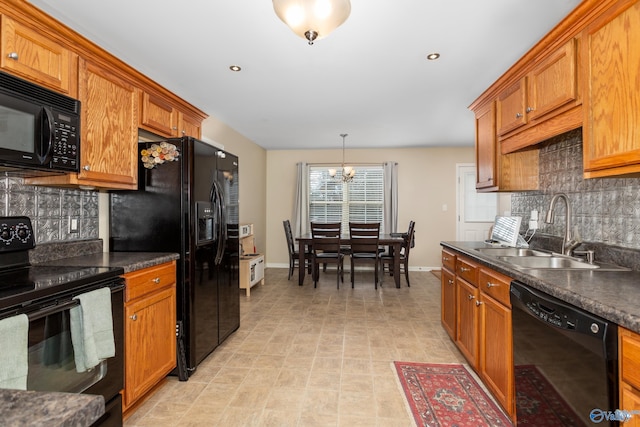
(447, 395)
(538, 402)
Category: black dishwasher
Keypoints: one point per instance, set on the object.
(565, 361)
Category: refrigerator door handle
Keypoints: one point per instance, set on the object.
(218, 202)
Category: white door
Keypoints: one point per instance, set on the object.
(476, 211)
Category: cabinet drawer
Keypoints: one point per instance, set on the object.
(142, 282)
(630, 358)
(468, 270)
(449, 260)
(496, 285)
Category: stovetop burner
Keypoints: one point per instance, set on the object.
(22, 283)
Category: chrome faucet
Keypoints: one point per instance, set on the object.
(568, 242)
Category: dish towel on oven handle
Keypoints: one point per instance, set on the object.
(14, 356)
(92, 329)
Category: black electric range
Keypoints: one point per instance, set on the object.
(22, 283)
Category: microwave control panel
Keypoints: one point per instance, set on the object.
(66, 146)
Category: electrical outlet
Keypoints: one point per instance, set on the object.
(74, 227)
(533, 224)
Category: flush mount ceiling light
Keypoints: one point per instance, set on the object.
(433, 56)
(348, 172)
(312, 19)
(235, 68)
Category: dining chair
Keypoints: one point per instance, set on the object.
(294, 255)
(405, 248)
(325, 249)
(364, 238)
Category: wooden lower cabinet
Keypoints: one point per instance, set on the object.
(479, 322)
(448, 301)
(629, 368)
(150, 329)
(467, 321)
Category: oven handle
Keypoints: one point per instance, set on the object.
(56, 308)
(44, 312)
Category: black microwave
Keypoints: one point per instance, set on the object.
(39, 128)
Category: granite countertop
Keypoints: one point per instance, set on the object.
(612, 295)
(129, 261)
(50, 409)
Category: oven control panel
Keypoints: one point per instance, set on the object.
(16, 234)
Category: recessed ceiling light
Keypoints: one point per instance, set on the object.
(235, 68)
(433, 56)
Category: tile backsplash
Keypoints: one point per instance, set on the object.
(50, 209)
(605, 210)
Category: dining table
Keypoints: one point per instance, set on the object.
(393, 240)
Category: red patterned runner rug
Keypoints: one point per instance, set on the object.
(538, 402)
(447, 395)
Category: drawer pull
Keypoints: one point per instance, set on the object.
(518, 115)
(156, 280)
(491, 285)
(478, 303)
(470, 297)
(450, 282)
(464, 269)
(133, 317)
(445, 258)
(13, 55)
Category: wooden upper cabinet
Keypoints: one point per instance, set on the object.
(108, 151)
(486, 150)
(189, 125)
(27, 53)
(160, 116)
(611, 58)
(553, 83)
(157, 115)
(511, 105)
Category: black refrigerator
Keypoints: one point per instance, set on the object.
(188, 204)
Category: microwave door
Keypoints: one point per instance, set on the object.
(19, 128)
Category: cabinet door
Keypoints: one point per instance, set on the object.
(188, 125)
(486, 150)
(611, 106)
(27, 53)
(150, 342)
(630, 401)
(467, 321)
(109, 126)
(448, 306)
(510, 106)
(158, 116)
(553, 83)
(496, 351)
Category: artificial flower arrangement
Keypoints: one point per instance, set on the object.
(157, 154)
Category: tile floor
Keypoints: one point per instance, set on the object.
(311, 357)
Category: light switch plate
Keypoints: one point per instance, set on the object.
(73, 225)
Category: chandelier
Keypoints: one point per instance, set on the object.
(312, 19)
(347, 172)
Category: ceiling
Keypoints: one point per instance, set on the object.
(370, 78)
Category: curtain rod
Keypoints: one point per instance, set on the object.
(349, 164)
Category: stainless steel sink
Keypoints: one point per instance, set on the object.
(556, 262)
(513, 252)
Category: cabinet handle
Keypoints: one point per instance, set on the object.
(529, 109)
(470, 297)
(464, 270)
(491, 285)
(156, 280)
(86, 167)
(518, 115)
(133, 317)
(445, 258)
(450, 282)
(478, 303)
(13, 55)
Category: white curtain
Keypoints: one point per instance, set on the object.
(390, 209)
(300, 220)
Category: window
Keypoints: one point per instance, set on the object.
(361, 200)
